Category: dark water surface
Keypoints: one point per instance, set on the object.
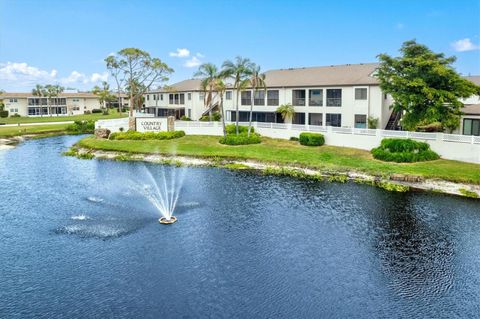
(76, 241)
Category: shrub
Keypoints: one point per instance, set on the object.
(403, 151)
(3, 113)
(294, 138)
(241, 139)
(80, 127)
(372, 122)
(97, 111)
(312, 139)
(133, 135)
(87, 112)
(15, 115)
(215, 117)
(241, 129)
(185, 118)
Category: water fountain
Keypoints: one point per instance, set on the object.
(162, 192)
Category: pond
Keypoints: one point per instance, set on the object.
(76, 240)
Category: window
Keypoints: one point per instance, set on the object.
(471, 127)
(360, 121)
(246, 97)
(190, 113)
(298, 118)
(189, 96)
(13, 100)
(315, 119)
(334, 97)
(228, 95)
(148, 97)
(259, 98)
(272, 97)
(360, 94)
(170, 98)
(298, 97)
(161, 97)
(182, 98)
(334, 119)
(256, 116)
(385, 96)
(201, 96)
(76, 100)
(315, 97)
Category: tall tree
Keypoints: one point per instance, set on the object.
(220, 88)
(39, 91)
(424, 86)
(104, 95)
(256, 81)
(134, 67)
(52, 91)
(115, 71)
(208, 73)
(238, 70)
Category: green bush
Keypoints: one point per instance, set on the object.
(3, 113)
(311, 139)
(97, 111)
(133, 135)
(241, 139)
(15, 115)
(185, 118)
(294, 138)
(215, 117)
(81, 127)
(241, 129)
(403, 151)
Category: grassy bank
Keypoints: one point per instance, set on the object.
(113, 114)
(34, 129)
(331, 158)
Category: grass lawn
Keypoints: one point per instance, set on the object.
(113, 114)
(292, 153)
(35, 129)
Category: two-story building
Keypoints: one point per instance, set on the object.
(336, 95)
(65, 104)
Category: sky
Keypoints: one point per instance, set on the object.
(65, 42)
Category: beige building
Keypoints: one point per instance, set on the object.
(65, 104)
(470, 122)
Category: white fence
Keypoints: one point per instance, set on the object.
(449, 146)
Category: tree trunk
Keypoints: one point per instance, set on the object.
(223, 118)
(119, 103)
(131, 118)
(237, 112)
(251, 112)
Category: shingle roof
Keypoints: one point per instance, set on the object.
(472, 109)
(69, 95)
(183, 86)
(348, 74)
(473, 78)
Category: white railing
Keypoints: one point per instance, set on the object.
(458, 138)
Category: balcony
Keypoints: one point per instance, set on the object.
(273, 102)
(298, 101)
(334, 101)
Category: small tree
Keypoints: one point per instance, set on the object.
(104, 95)
(372, 122)
(287, 111)
(136, 69)
(424, 86)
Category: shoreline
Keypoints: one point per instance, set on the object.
(396, 182)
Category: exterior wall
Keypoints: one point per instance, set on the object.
(195, 106)
(19, 107)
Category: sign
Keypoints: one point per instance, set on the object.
(148, 124)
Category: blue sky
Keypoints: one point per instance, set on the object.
(66, 41)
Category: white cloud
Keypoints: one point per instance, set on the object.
(23, 77)
(193, 62)
(465, 45)
(180, 53)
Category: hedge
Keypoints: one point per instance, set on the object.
(133, 135)
(241, 129)
(403, 151)
(241, 139)
(3, 113)
(311, 139)
(81, 127)
(97, 111)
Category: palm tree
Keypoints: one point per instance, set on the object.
(238, 70)
(208, 73)
(39, 91)
(256, 81)
(287, 111)
(219, 87)
(52, 91)
(104, 95)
